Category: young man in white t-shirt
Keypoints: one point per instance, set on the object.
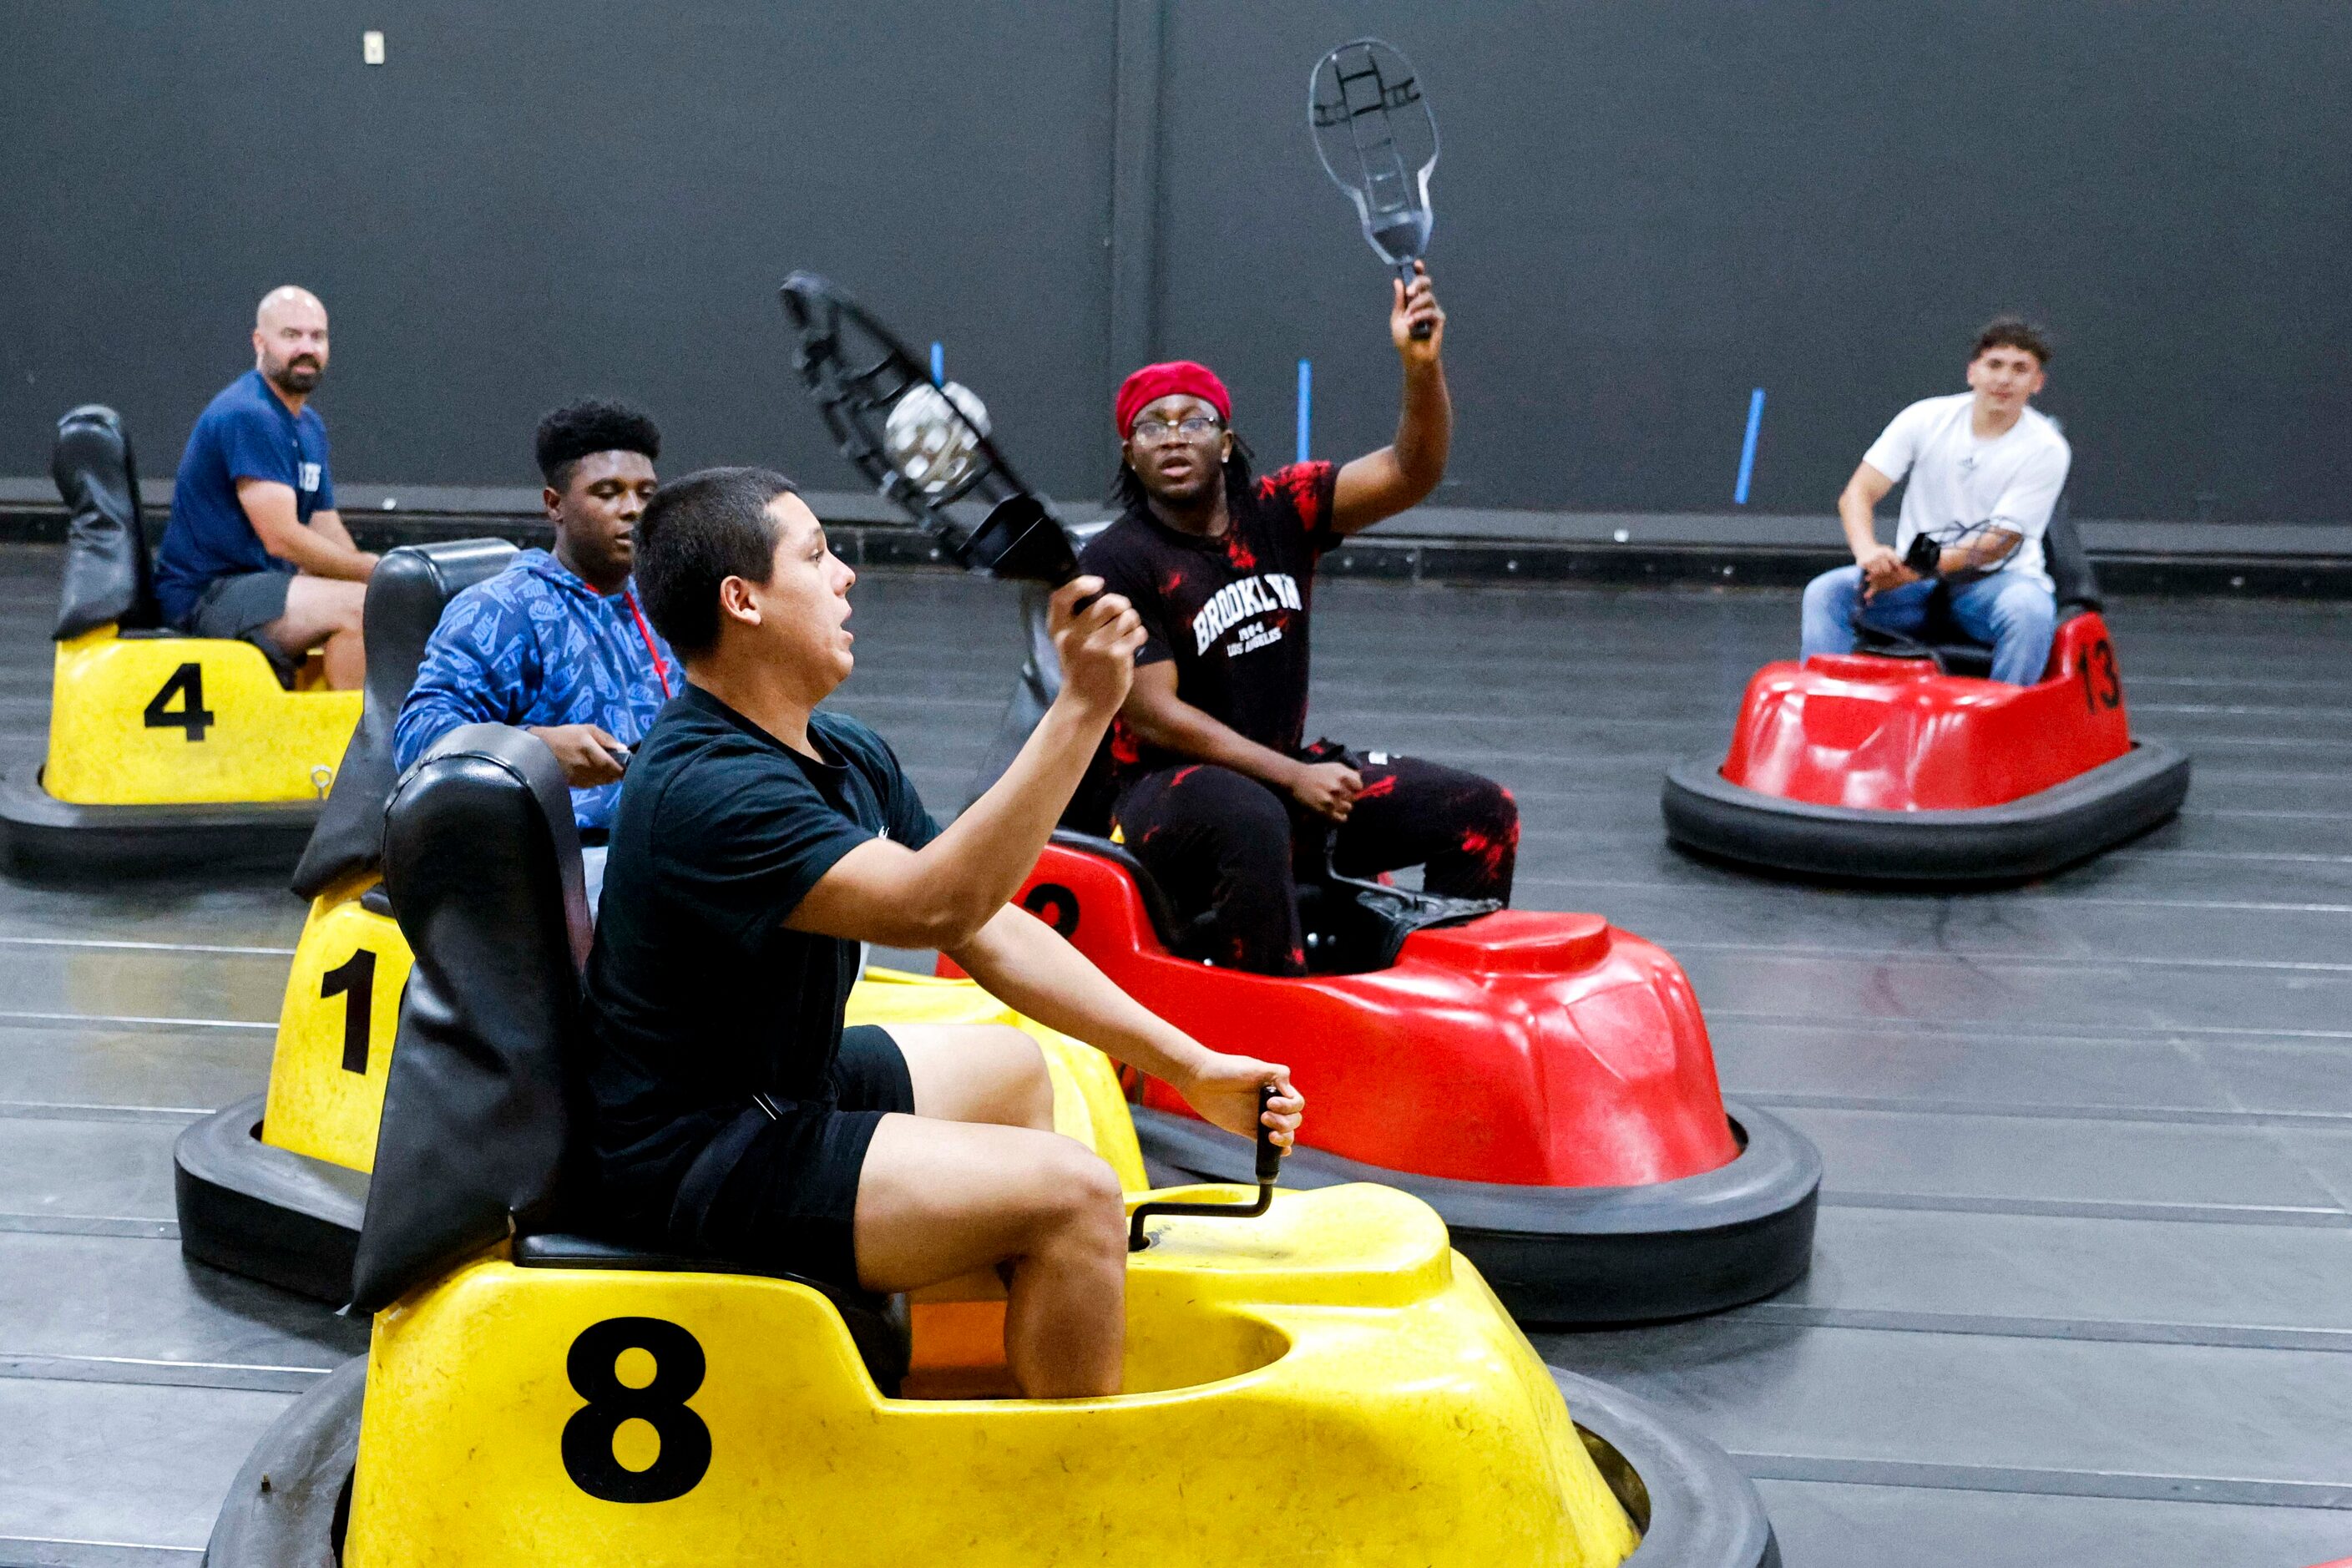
(1985, 471)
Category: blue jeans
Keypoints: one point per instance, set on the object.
(2010, 612)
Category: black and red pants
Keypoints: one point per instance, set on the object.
(1228, 850)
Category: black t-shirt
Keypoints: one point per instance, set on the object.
(698, 996)
(1230, 611)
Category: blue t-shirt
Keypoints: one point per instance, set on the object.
(246, 433)
(537, 647)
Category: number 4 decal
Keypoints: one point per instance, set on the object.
(354, 981)
(187, 684)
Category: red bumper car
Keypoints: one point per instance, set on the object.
(1543, 1080)
(1901, 763)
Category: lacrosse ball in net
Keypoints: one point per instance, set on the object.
(928, 443)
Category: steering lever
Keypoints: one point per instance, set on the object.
(1269, 1166)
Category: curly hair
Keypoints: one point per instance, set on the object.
(591, 425)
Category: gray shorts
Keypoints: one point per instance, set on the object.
(239, 606)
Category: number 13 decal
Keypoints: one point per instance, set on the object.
(2102, 687)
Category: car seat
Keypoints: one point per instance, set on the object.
(410, 588)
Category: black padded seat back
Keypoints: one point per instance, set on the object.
(410, 588)
(482, 862)
(108, 577)
(2069, 564)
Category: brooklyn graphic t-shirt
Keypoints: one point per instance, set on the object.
(1230, 611)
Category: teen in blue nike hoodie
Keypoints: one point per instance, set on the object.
(557, 644)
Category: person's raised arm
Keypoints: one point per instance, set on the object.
(1857, 509)
(940, 895)
(1401, 474)
(1025, 963)
(269, 506)
(1160, 718)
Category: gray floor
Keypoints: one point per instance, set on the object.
(2084, 1290)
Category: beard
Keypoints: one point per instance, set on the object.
(300, 375)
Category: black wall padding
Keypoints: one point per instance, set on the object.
(107, 575)
(482, 861)
(410, 588)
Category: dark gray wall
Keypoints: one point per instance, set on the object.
(532, 201)
(1644, 211)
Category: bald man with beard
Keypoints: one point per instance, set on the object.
(256, 549)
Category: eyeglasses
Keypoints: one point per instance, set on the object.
(1157, 432)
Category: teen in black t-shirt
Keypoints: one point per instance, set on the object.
(757, 843)
(1215, 792)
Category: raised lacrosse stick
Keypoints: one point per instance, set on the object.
(1378, 143)
(924, 446)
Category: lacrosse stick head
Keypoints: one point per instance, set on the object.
(1378, 142)
(926, 448)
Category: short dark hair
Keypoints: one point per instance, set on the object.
(591, 425)
(2012, 333)
(697, 532)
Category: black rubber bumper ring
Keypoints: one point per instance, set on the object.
(41, 835)
(264, 1212)
(2041, 831)
(1693, 1507)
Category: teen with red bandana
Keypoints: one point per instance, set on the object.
(1214, 791)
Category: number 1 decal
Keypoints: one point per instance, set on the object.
(354, 981)
(593, 1367)
(2102, 687)
(193, 718)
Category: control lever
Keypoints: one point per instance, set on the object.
(1269, 1167)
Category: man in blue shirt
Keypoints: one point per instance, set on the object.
(558, 644)
(255, 548)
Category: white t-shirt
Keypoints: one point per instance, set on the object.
(1959, 483)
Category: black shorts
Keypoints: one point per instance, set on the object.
(790, 1200)
(238, 607)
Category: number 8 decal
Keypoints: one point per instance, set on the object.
(593, 1368)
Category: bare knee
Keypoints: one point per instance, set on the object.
(1088, 1214)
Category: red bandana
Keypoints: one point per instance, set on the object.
(1154, 381)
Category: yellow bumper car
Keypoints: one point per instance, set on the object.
(1328, 1382)
(166, 752)
(274, 1185)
